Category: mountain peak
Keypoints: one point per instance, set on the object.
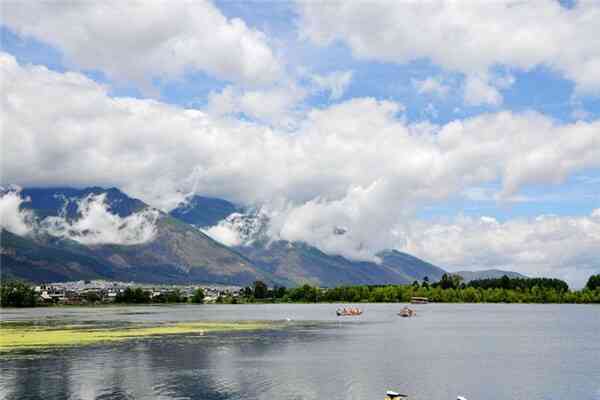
(203, 211)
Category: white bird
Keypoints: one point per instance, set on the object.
(461, 398)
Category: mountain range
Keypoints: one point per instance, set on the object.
(469, 276)
(97, 233)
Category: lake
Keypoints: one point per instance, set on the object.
(480, 351)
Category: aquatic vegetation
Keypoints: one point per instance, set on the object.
(25, 336)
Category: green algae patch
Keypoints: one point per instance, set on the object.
(24, 337)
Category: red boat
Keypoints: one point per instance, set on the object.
(348, 312)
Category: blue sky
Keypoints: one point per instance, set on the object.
(289, 68)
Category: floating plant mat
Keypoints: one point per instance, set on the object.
(19, 336)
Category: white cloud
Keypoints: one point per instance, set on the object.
(97, 225)
(335, 83)
(357, 164)
(240, 229)
(478, 91)
(470, 37)
(563, 247)
(139, 41)
(276, 105)
(431, 85)
(81, 136)
(12, 217)
(94, 225)
(359, 212)
(224, 233)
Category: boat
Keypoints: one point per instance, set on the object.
(390, 394)
(407, 312)
(419, 300)
(348, 312)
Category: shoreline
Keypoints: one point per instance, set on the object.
(125, 305)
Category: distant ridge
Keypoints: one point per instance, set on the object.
(296, 263)
(469, 276)
(299, 263)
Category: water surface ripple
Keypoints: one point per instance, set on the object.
(482, 351)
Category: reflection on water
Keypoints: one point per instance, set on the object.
(481, 351)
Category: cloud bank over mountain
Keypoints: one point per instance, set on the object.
(94, 224)
(12, 218)
(97, 225)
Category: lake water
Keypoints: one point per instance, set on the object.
(481, 351)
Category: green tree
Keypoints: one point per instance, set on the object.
(449, 281)
(175, 296)
(260, 290)
(593, 283)
(133, 296)
(198, 296)
(279, 292)
(17, 294)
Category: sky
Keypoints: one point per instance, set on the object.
(465, 133)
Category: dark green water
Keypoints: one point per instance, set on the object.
(489, 352)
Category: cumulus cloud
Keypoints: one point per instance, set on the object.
(139, 41)
(225, 232)
(95, 224)
(431, 85)
(276, 105)
(279, 104)
(478, 91)
(241, 229)
(470, 37)
(12, 217)
(357, 164)
(335, 83)
(81, 136)
(564, 247)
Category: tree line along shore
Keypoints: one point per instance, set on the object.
(450, 289)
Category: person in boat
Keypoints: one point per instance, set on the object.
(407, 312)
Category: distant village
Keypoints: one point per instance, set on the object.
(97, 291)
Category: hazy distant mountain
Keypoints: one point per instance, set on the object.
(70, 242)
(299, 262)
(469, 276)
(412, 267)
